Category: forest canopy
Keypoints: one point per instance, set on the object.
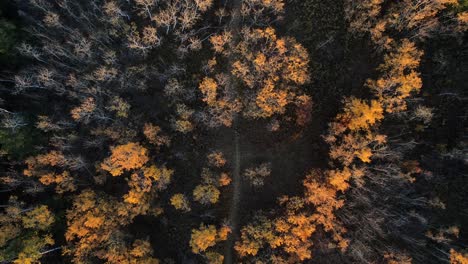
(242, 131)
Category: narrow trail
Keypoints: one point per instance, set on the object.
(234, 26)
(236, 197)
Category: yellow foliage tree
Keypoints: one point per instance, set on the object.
(27, 229)
(38, 218)
(206, 194)
(359, 114)
(214, 257)
(207, 236)
(203, 238)
(180, 202)
(256, 235)
(119, 106)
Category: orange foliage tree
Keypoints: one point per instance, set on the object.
(457, 257)
(400, 77)
(125, 157)
(50, 168)
(141, 183)
(91, 221)
(270, 70)
(94, 223)
(207, 236)
(353, 140)
(292, 232)
(216, 159)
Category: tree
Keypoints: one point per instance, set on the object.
(414, 19)
(140, 251)
(17, 138)
(224, 179)
(142, 188)
(339, 179)
(216, 159)
(207, 236)
(269, 68)
(400, 77)
(125, 157)
(208, 88)
(292, 231)
(84, 111)
(38, 218)
(254, 236)
(180, 202)
(184, 124)
(208, 191)
(418, 18)
(261, 12)
(257, 175)
(119, 106)
(457, 257)
(24, 232)
(154, 136)
(363, 15)
(94, 223)
(224, 232)
(203, 5)
(39, 166)
(203, 238)
(214, 257)
(206, 194)
(360, 115)
(145, 41)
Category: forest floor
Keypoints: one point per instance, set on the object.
(291, 154)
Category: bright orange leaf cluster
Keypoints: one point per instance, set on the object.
(125, 157)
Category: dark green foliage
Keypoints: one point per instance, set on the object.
(463, 5)
(7, 36)
(8, 29)
(18, 144)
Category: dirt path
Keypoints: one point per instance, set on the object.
(233, 219)
(235, 202)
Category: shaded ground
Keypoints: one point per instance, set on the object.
(236, 186)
